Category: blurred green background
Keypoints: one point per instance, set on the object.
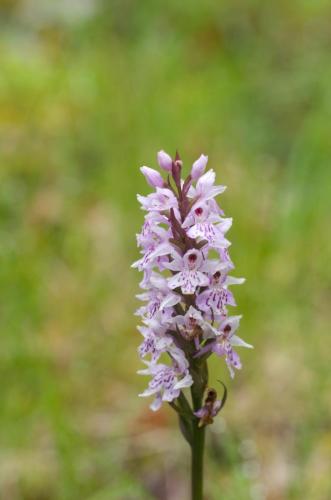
(89, 91)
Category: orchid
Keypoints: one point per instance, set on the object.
(165, 384)
(186, 297)
(224, 341)
(190, 326)
(190, 275)
(217, 296)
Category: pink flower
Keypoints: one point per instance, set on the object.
(193, 271)
(205, 224)
(205, 189)
(224, 341)
(153, 344)
(164, 160)
(199, 167)
(217, 296)
(152, 255)
(165, 384)
(152, 176)
(158, 297)
(162, 200)
(193, 326)
(154, 241)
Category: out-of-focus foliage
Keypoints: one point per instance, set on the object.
(89, 91)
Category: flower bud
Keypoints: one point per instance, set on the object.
(164, 160)
(153, 177)
(198, 167)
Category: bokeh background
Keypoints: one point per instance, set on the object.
(89, 91)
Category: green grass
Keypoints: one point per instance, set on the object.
(88, 96)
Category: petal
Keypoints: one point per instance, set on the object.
(207, 180)
(170, 394)
(204, 349)
(177, 263)
(216, 407)
(153, 177)
(231, 370)
(230, 280)
(188, 221)
(233, 359)
(174, 265)
(176, 280)
(170, 300)
(143, 296)
(148, 392)
(187, 381)
(158, 281)
(218, 349)
(208, 194)
(225, 225)
(201, 300)
(162, 249)
(210, 332)
(145, 371)
(209, 232)
(200, 413)
(163, 342)
(199, 167)
(156, 405)
(143, 200)
(230, 300)
(213, 265)
(233, 321)
(164, 160)
(214, 191)
(194, 313)
(237, 341)
(136, 263)
(179, 320)
(191, 280)
(178, 355)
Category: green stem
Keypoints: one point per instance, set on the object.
(200, 377)
(197, 450)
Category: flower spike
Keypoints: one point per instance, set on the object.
(185, 292)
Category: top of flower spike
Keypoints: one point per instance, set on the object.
(165, 197)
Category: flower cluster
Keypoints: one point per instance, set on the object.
(185, 264)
